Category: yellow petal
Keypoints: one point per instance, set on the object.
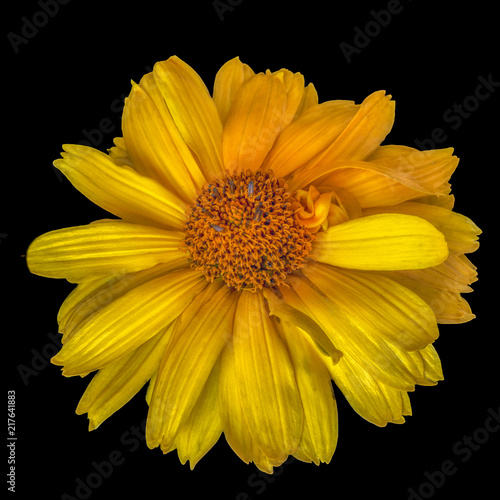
(92, 295)
(87, 252)
(376, 402)
(381, 242)
(194, 113)
(358, 140)
(280, 309)
(391, 175)
(231, 408)
(310, 134)
(128, 322)
(266, 380)
(227, 83)
(232, 412)
(370, 350)
(320, 211)
(254, 121)
(116, 384)
(428, 171)
(448, 306)
(294, 88)
(155, 147)
(455, 274)
(197, 342)
(319, 437)
(363, 135)
(460, 232)
(119, 154)
(433, 370)
(121, 190)
(369, 397)
(382, 307)
(309, 99)
(368, 184)
(203, 427)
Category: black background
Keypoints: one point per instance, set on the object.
(65, 83)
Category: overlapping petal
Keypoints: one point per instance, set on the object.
(197, 341)
(121, 190)
(254, 121)
(203, 427)
(228, 81)
(393, 174)
(129, 321)
(367, 347)
(319, 436)
(154, 143)
(310, 134)
(115, 384)
(90, 296)
(381, 307)
(194, 113)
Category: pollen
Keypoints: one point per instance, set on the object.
(242, 230)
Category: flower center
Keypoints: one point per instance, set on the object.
(242, 230)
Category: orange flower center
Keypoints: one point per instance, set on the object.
(242, 229)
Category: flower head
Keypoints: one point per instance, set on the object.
(265, 244)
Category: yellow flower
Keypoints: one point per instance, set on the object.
(265, 245)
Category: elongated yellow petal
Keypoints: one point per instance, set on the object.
(367, 348)
(365, 132)
(128, 322)
(115, 384)
(310, 134)
(121, 190)
(460, 232)
(232, 412)
(194, 113)
(108, 248)
(266, 380)
(376, 402)
(231, 407)
(444, 300)
(319, 437)
(254, 121)
(381, 242)
(155, 147)
(227, 83)
(203, 427)
(381, 307)
(91, 296)
(196, 344)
